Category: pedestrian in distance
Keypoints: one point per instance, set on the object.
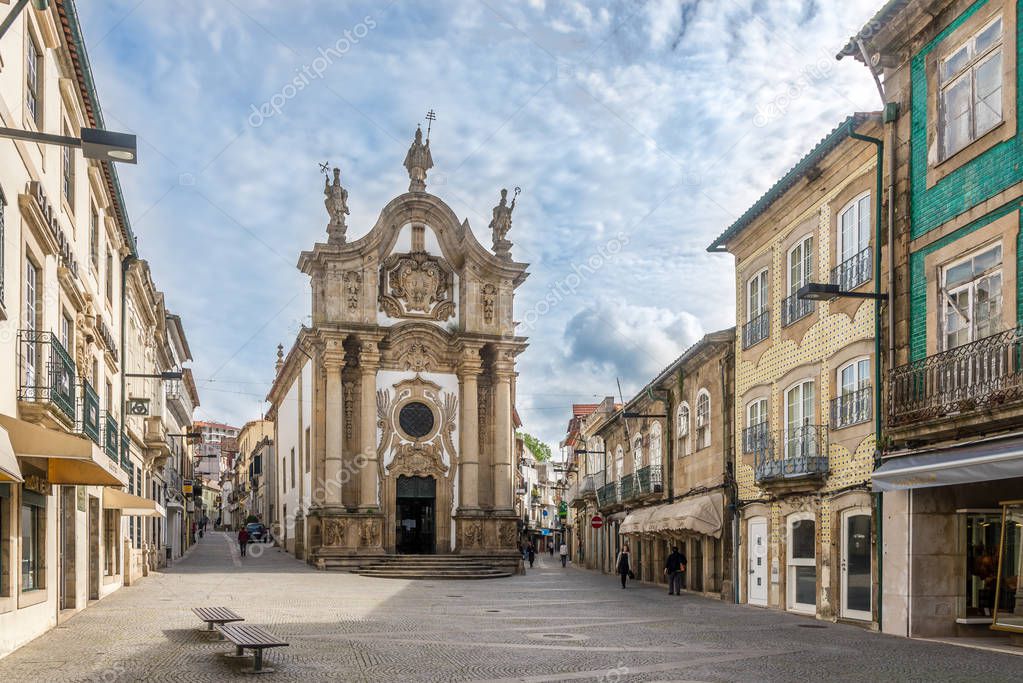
(563, 551)
(550, 548)
(531, 554)
(673, 568)
(623, 564)
(243, 541)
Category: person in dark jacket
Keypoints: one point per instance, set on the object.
(673, 568)
(531, 553)
(623, 563)
(243, 541)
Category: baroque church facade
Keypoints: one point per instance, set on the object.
(393, 410)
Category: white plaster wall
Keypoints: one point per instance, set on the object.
(432, 246)
(289, 436)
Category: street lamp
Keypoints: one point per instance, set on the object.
(822, 291)
(167, 376)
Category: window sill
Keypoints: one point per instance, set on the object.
(839, 427)
(32, 597)
(963, 151)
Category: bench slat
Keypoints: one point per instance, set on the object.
(251, 637)
(216, 614)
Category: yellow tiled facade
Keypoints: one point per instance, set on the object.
(826, 500)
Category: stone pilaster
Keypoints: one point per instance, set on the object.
(369, 486)
(503, 373)
(333, 363)
(468, 370)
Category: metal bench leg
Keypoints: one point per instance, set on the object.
(209, 625)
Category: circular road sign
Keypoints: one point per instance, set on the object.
(597, 521)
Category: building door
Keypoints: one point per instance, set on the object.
(856, 565)
(68, 592)
(756, 555)
(415, 515)
(696, 564)
(93, 548)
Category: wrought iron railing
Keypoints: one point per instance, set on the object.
(852, 407)
(125, 453)
(757, 329)
(46, 371)
(111, 436)
(791, 453)
(649, 479)
(90, 413)
(854, 271)
(983, 374)
(628, 487)
(793, 308)
(588, 486)
(607, 495)
(753, 436)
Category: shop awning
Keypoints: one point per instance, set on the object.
(71, 459)
(129, 504)
(9, 469)
(702, 514)
(985, 461)
(633, 523)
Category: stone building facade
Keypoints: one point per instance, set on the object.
(804, 383)
(394, 409)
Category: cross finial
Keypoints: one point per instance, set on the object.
(324, 166)
(431, 116)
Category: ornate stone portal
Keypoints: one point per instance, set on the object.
(410, 359)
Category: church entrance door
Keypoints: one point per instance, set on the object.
(416, 511)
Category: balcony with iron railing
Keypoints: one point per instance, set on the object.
(47, 378)
(608, 495)
(976, 379)
(754, 435)
(628, 487)
(797, 453)
(90, 424)
(649, 480)
(852, 407)
(757, 329)
(854, 271)
(111, 436)
(793, 308)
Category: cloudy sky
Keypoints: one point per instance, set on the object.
(637, 131)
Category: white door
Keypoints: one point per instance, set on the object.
(856, 565)
(756, 593)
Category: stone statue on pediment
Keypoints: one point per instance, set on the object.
(418, 161)
(336, 201)
(501, 224)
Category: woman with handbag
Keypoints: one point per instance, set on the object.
(623, 564)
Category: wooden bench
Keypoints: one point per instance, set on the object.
(216, 615)
(251, 638)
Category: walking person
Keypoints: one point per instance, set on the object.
(563, 551)
(243, 541)
(673, 568)
(531, 553)
(623, 564)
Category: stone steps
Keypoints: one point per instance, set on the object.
(434, 567)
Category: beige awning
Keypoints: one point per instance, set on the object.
(635, 520)
(128, 504)
(9, 469)
(699, 514)
(71, 459)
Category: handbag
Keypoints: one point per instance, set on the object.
(632, 574)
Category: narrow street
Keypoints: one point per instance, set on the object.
(553, 624)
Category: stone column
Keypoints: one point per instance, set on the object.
(503, 431)
(333, 363)
(468, 490)
(369, 361)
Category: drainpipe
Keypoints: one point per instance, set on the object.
(889, 121)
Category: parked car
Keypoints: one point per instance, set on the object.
(257, 532)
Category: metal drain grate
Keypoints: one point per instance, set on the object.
(811, 625)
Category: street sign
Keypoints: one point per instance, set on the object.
(545, 513)
(596, 521)
(563, 509)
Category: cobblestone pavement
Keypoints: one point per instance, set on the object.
(553, 624)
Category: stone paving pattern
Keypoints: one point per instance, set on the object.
(552, 624)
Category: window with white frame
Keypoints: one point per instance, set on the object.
(800, 264)
(802, 562)
(654, 448)
(33, 80)
(854, 262)
(30, 323)
(854, 397)
(619, 461)
(800, 434)
(756, 295)
(971, 289)
(67, 170)
(3, 204)
(682, 429)
(702, 419)
(94, 237)
(756, 425)
(637, 453)
(970, 89)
